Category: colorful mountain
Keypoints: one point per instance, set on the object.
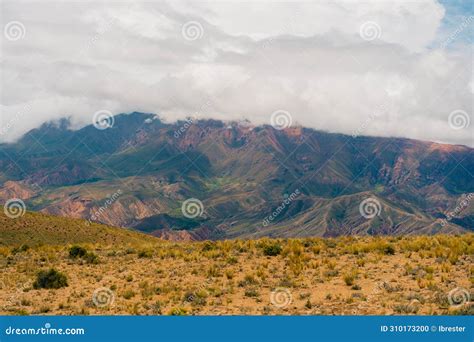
(239, 180)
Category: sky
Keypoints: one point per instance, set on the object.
(381, 68)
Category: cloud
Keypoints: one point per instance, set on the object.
(331, 65)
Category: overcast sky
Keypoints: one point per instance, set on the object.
(385, 68)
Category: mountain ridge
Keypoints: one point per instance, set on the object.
(241, 174)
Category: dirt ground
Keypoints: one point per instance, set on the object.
(345, 276)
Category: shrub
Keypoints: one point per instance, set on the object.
(195, 298)
(330, 243)
(389, 250)
(229, 274)
(128, 294)
(51, 279)
(91, 258)
(349, 279)
(213, 271)
(389, 288)
(252, 292)
(77, 252)
(331, 273)
(248, 280)
(208, 246)
(405, 309)
(156, 308)
(145, 254)
(272, 250)
(232, 260)
(22, 248)
(178, 312)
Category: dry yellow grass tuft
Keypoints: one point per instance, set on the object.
(349, 275)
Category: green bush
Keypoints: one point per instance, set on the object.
(51, 279)
(272, 250)
(91, 258)
(145, 254)
(389, 250)
(208, 246)
(77, 252)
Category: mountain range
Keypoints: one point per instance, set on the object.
(207, 179)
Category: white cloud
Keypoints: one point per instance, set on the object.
(251, 59)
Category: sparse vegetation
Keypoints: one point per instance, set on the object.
(21, 249)
(337, 276)
(51, 279)
(389, 250)
(349, 279)
(272, 250)
(145, 254)
(77, 252)
(91, 258)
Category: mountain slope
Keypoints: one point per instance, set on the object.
(40, 229)
(139, 172)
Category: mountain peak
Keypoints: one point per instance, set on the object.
(249, 180)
